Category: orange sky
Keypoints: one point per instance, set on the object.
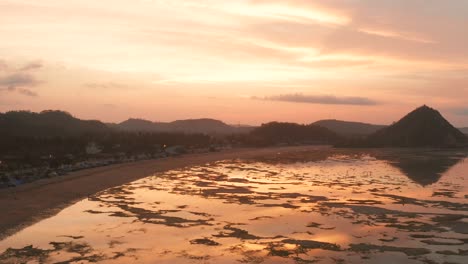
(241, 61)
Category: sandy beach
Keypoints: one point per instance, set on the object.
(24, 205)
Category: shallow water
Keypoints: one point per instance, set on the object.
(324, 206)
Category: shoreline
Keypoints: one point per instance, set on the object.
(27, 204)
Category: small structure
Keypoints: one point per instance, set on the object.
(175, 150)
(92, 149)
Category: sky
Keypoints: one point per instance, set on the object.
(240, 61)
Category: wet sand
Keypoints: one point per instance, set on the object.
(24, 205)
(314, 205)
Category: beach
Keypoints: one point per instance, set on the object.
(275, 205)
(24, 205)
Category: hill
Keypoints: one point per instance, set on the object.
(424, 127)
(205, 125)
(139, 125)
(290, 133)
(349, 129)
(190, 126)
(47, 124)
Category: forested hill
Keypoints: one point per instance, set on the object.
(349, 129)
(47, 124)
(423, 127)
(203, 125)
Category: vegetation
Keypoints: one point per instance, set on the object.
(204, 126)
(55, 137)
(349, 129)
(276, 133)
(35, 151)
(47, 124)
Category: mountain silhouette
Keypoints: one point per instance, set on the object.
(424, 127)
(204, 126)
(138, 125)
(48, 124)
(349, 129)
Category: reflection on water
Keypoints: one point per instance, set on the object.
(423, 166)
(327, 206)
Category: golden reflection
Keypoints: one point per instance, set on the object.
(285, 208)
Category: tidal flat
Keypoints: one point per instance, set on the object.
(321, 206)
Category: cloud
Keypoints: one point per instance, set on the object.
(319, 99)
(19, 79)
(15, 80)
(27, 92)
(31, 66)
(393, 28)
(18, 82)
(105, 85)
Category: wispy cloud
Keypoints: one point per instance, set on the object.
(319, 99)
(19, 79)
(15, 80)
(19, 82)
(356, 48)
(31, 66)
(105, 85)
(27, 92)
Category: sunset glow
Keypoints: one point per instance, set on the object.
(165, 59)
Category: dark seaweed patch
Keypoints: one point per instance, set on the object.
(204, 241)
(406, 250)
